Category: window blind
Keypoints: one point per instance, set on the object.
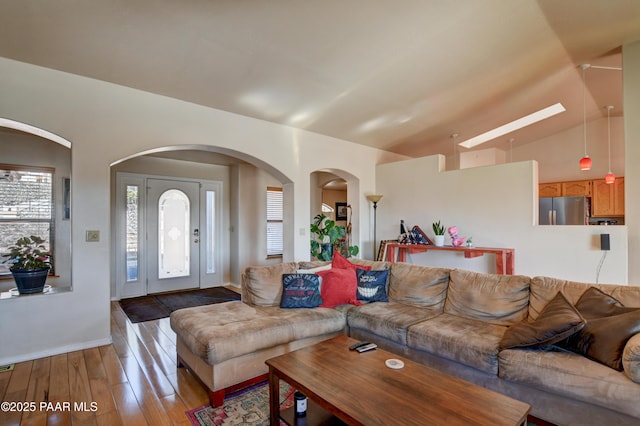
(275, 236)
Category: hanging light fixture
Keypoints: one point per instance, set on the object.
(610, 177)
(585, 162)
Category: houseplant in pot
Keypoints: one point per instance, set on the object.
(326, 237)
(30, 264)
(438, 230)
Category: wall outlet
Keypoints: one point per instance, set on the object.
(92, 236)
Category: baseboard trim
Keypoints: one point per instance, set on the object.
(56, 351)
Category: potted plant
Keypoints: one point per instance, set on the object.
(327, 237)
(30, 264)
(438, 230)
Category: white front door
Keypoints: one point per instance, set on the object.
(168, 234)
(173, 235)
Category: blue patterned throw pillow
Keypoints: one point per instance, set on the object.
(300, 291)
(372, 285)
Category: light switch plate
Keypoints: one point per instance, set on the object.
(92, 236)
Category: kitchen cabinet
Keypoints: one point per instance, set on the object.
(573, 188)
(577, 188)
(607, 199)
(551, 189)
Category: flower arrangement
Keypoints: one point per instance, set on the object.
(29, 253)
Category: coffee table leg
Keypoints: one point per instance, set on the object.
(274, 398)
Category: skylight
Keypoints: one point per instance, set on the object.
(525, 121)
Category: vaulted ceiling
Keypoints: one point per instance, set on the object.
(399, 75)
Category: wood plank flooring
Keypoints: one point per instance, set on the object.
(133, 381)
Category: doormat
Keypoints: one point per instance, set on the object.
(156, 306)
(246, 407)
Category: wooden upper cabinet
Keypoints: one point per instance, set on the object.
(552, 189)
(576, 188)
(607, 199)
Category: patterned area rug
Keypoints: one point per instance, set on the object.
(246, 407)
(250, 407)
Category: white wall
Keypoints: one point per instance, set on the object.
(631, 90)
(497, 206)
(558, 155)
(107, 123)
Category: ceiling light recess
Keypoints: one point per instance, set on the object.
(525, 121)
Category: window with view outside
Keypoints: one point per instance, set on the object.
(26, 206)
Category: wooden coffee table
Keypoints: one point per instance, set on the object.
(358, 389)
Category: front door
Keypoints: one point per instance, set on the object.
(173, 235)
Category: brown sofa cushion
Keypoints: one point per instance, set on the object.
(262, 285)
(496, 299)
(557, 321)
(419, 286)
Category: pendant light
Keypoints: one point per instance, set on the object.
(610, 177)
(585, 162)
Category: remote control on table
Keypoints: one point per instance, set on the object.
(367, 347)
(358, 345)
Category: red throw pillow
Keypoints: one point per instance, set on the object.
(338, 287)
(341, 262)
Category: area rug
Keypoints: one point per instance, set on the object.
(246, 407)
(250, 407)
(156, 306)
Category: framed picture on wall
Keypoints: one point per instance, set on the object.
(341, 211)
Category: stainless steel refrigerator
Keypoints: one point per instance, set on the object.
(564, 211)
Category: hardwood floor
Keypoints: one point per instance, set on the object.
(133, 381)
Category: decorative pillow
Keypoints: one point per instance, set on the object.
(341, 262)
(631, 358)
(338, 287)
(300, 291)
(372, 285)
(557, 321)
(603, 339)
(594, 303)
(609, 326)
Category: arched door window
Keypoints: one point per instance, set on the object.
(173, 234)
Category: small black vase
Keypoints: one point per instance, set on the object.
(30, 281)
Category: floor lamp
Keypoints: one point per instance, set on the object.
(374, 199)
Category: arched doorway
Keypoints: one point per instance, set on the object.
(225, 187)
(334, 193)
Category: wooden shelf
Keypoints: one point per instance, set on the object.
(316, 416)
(505, 257)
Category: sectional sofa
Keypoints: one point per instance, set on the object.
(571, 350)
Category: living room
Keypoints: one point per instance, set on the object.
(128, 123)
